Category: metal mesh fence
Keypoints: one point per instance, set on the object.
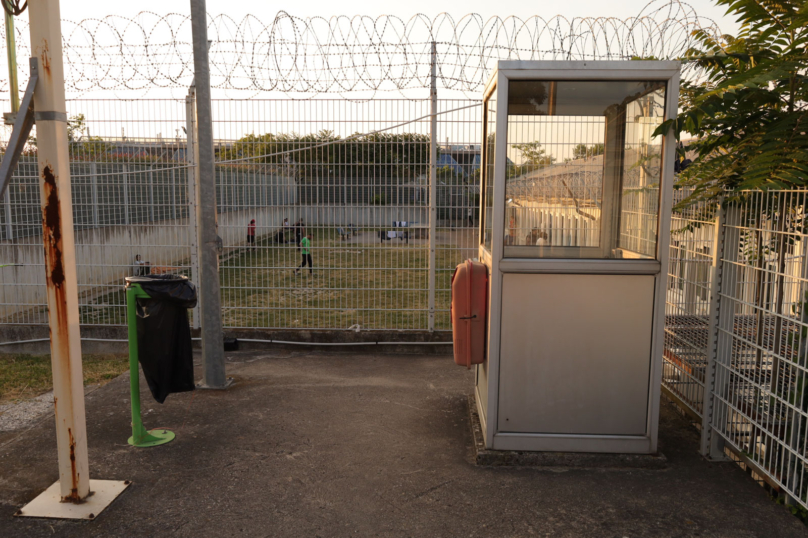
(760, 403)
(736, 332)
(736, 327)
(690, 270)
(364, 201)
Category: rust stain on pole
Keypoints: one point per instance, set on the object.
(55, 278)
(52, 222)
(74, 489)
(46, 63)
(54, 270)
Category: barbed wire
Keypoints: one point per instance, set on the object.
(349, 54)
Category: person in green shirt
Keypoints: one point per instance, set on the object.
(305, 245)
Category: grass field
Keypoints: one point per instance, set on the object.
(358, 283)
(361, 282)
(26, 376)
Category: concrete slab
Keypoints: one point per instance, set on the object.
(327, 444)
(48, 504)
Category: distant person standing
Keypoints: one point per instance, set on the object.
(285, 228)
(251, 233)
(471, 217)
(305, 244)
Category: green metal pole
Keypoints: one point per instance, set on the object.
(11, 50)
(140, 437)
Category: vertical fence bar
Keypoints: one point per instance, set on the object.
(190, 158)
(723, 359)
(433, 179)
(11, 54)
(7, 204)
(712, 334)
(172, 198)
(125, 178)
(94, 192)
(60, 251)
(151, 194)
(209, 241)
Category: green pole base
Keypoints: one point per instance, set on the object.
(153, 438)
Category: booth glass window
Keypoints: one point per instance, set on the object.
(583, 169)
(490, 134)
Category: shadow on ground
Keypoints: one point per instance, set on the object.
(316, 444)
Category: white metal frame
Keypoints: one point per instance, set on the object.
(667, 71)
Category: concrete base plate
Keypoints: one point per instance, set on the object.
(49, 503)
(227, 384)
(556, 460)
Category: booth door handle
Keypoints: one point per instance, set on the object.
(469, 317)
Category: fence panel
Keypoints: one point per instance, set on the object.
(129, 190)
(760, 402)
(364, 201)
(691, 266)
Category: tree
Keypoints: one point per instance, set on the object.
(582, 150)
(326, 155)
(533, 154)
(81, 145)
(748, 108)
(533, 158)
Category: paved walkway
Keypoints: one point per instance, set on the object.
(311, 444)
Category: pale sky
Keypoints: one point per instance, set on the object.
(79, 9)
(264, 62)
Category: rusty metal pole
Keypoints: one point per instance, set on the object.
(60, 252)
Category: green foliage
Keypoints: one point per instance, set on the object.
(81, 145)
(379, 199)
(533, 158)
(383, 155)
(582, 150)
(749, 111)
(533, 155)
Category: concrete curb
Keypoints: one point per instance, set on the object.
(555, 460)
(100, 339)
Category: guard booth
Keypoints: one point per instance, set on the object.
(574, 233)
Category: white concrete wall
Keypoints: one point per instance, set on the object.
(106, 255)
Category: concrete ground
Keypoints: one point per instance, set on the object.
(325, 444)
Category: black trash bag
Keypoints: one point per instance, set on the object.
(163, 333)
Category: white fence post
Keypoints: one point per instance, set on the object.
(190, 158)
(125, 176)
(712, 442)
(7, 204)
(151, 194)
(94, 191)
(433, 179)
(60, 253)
(712, 335)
